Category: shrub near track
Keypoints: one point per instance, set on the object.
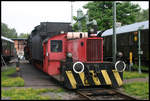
(7, 81)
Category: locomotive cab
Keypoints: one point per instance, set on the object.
(54, 52)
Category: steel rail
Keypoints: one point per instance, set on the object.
(125, 95)
(112, 93)
(84, 95)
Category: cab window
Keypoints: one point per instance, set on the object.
(56, 45)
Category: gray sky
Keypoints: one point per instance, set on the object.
(25, 15)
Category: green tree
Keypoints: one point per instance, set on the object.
(8, 32)
(23, 35)
(102, 12)
(142, 16)
(83, 24)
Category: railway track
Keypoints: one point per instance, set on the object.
(36, 78)
(104, 94)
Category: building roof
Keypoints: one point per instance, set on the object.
(7, 39)
(128, 28)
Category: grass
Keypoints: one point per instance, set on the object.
(130, 75)
(22, 93)
(8, 71)
(140, 89)
(7, 81)
(142, 67)
(56, 90)
(28, 93)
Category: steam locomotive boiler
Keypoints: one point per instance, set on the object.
(73, 58)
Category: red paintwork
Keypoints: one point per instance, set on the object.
(79, 52)
(45, 59)
(51, 60)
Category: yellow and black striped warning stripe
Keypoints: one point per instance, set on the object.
(103, 77)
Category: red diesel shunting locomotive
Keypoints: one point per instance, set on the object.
(73, 58)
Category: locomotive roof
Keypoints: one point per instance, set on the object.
(7, 39)
(127, 28)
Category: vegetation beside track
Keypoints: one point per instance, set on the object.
(135, 66)
(131, 75)
(28, 93)
(139, 89)
(8, 81)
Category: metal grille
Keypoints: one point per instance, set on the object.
(94, 50)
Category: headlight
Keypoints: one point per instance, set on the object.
(78, 67)
(69, 55)
(91, 30)
(62, 32)
(120, 66)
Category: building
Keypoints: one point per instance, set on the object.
(20, 43)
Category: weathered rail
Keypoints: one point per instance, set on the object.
(104, 94)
